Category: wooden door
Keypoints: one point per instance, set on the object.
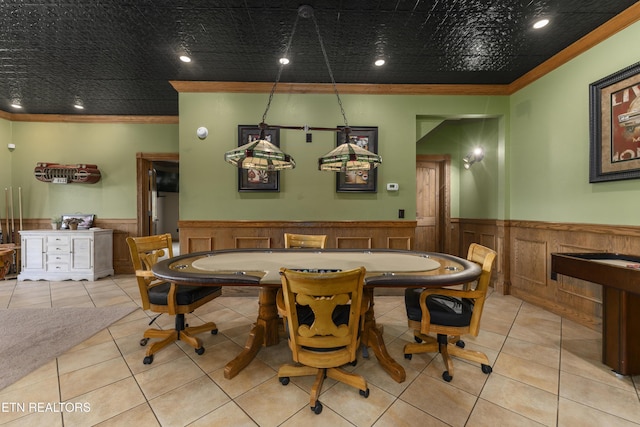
(432, 199)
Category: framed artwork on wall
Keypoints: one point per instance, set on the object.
(359, 181)
(253, 179)
(614, 126)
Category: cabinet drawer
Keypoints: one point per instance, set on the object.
(58, 250)
(57, 240)
(53, 267)
(62, 258)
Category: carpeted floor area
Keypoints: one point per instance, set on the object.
(31, 337)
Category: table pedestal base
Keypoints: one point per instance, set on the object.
(265, 333)
(372, 337)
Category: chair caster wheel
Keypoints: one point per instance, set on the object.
(354, 363)
(460, 343)
(214, 332)
(148, 360)
(144, 341)
(364, 393)
(200, 351)
(408, 356)
(417, 339)
(486, 369)
(446, 376)
(317, 409)
(284, 380)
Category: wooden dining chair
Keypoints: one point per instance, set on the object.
(317, 241)
(161, 296)
(323, 315)
(450, 313)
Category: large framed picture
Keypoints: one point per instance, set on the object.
(359, 181)
(614, 124)
(253, 179)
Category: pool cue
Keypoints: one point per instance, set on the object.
(20, 206)
(6, 209)
(13, 223)
(1, 232)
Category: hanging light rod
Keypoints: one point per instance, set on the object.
(263, 155)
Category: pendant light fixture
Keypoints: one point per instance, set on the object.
(263, 155)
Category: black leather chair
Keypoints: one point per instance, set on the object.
(161, 296)
(450, 313)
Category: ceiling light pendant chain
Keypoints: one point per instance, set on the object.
(326, 61)
(261, 154)
(275, 83)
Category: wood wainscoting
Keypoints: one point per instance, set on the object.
(197, 236)
(524, 267)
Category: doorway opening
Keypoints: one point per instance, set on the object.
(433, 204)
(158, 187)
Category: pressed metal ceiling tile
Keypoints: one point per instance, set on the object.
(117, 56)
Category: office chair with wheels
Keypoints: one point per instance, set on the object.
(317, 241)
(323, 315)
(161, 296)
(450, 313)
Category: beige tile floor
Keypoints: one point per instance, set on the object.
(546, 372)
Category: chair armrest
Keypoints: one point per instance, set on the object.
(282, 309)
(144, 273)
(172, 302)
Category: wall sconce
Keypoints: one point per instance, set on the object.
(475, 156)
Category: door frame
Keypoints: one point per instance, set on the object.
(144, 161)
(444, 200)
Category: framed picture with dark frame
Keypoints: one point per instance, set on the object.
(614, 126)
(253, 179)
(359, 181)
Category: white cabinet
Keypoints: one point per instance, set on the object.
(66, 254)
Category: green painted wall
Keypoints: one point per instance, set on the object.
(5, 156)
(475, 192)
(5, 170)
(209, 185)
(549, 152)
(112, 147)
(536, 166)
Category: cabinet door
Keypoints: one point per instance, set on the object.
(81, 255)
(33, 253)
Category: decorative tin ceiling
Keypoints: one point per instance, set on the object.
(118, 56)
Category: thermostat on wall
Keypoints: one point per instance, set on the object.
(392, 186)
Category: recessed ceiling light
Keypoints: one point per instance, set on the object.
(379, 62)
(283, 61)
(78, 106)
(185, 58)
(16, 105)
(541, 23)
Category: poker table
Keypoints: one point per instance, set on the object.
(260, 268)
